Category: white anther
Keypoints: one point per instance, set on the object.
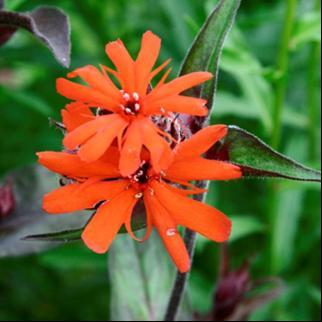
(138, 195)
(126, 96)
(171, 232)
(137, 107)
(122, 91)
(128, 111)
(162, 110)
(136, 96)
(122, 107)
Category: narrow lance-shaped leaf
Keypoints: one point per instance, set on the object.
(49, 24)
(65, 236)
(206, 48)
(257, 159)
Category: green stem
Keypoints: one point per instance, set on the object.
(280, 94)
(281, 67)
(312, 100)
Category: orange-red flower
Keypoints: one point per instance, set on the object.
(127, 109)
(101, 184)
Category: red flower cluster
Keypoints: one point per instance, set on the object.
(116, 155)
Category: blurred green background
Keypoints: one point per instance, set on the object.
(280, 232)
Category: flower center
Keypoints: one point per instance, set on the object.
(131, 104)
(141, 176)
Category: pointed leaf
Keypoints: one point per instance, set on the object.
(257, 159)
(206, 49)
(49, 24)
(65, 236)
(61, 236)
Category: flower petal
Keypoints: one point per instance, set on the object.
(130, 158)
(168, 232)
(76, 114)
(200, 142)
(180, 104)
(96, 80)
(71, 165)
(148, 55)
(202, 169)
(159, 68)
(74, 197)
(96, 146)
(156, 145)
(113, 122)
(105, 224)
(177, 86)
(85, 94)
(192, 214)
(124, 63)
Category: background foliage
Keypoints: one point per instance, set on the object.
(279, 232)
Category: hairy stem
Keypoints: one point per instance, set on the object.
(181, 279)
(281, 67)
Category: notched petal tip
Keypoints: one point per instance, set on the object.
(150, 36)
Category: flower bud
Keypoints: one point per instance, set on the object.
(7, 200)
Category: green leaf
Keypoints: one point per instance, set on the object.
(238, 60)
(307, 29)
(206, 49)
(285, 227)
(244, 226)
(257, 159)
(228, 104)
(142, 276)
(28, 99)
(65, 236)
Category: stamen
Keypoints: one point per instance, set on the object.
(162, 110)
(136, 96)
(126, 96)
(128, 111)
(137, 107)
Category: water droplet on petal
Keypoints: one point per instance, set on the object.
(171, 232)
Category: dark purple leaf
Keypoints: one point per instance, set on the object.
(231, 289)
(6, 33)
(48, 24)
(257, 159)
